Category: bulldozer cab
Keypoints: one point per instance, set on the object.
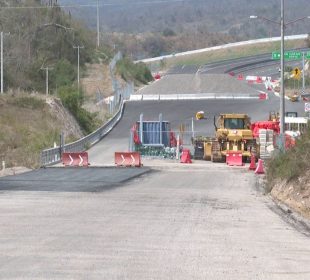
(232, 121)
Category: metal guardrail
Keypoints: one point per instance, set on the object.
(53, 155)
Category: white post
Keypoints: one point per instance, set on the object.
(303, 72)
(46, 81)
(98, 25)
(193, 128)
(178, 147)
(78, 75)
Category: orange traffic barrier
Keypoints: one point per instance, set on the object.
(128, 159)
(253, 163)
(186, 156)
(263, 96)
(157, 76)
(234, 158)
(75, 159)
(260, 167)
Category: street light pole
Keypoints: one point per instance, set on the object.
(78, 77)
(46, 80)
(282, 90)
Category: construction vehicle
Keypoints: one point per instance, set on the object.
(233, 134)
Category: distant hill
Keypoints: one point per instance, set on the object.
(224, 16)
(144, 28)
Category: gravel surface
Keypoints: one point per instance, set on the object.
(197, 223)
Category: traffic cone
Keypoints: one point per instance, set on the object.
(260, 167)
(186, 156)
(253, 163)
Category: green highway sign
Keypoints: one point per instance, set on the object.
(290, 55)
(276, 55)
(307, 56)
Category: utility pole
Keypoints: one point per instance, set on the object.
(1, 62)
(303, 73)
(282, 90)
(1, 39)
(47, 69)
(78, 77)
(98, 25)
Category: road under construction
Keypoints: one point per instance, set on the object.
(165, 221)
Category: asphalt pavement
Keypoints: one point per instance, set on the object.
(195, 221)
(210, 222)
(58, 179)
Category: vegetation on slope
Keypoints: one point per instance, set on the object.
(129, 71)
(40, 38)
(293, 163)
(28, 125)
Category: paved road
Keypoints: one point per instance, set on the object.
(70, 179)
(178, 112)
(207, 222)
(200, 221)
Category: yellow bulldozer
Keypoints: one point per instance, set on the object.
(233, 135)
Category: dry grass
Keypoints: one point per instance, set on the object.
(27, 127)
(235, 52)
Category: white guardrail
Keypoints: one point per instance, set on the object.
(53, 155)
(226, 46)
(199, 96)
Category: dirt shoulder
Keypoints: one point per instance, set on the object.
(296, 195)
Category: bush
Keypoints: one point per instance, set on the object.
(72, 100)
(139, 72)
(291, 164)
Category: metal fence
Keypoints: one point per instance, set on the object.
(121, 94)
(53, 155)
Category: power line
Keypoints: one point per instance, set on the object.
(95, 5)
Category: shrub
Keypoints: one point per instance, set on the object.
(291, 164)
(139, 72)
(72, 100)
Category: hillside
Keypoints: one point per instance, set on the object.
(30, 124)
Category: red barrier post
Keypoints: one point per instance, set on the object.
(128, 159)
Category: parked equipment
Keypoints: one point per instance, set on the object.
(232, 134)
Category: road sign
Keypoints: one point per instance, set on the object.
(276, 55)
(307, 107)
(307, 55)
(289, 55)
(297, 73)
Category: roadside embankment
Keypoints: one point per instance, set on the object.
(288, 178)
